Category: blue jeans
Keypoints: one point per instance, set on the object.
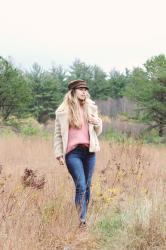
(81, 163)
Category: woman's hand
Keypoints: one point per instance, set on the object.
(61, 160)
(93, 120)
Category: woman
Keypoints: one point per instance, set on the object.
(77, 126)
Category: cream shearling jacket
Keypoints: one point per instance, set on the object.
(62, 129)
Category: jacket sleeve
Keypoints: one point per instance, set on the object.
(98, 128)
(58, 144)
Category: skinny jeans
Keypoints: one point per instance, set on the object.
(81, 164)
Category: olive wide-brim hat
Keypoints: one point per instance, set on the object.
(79, 83)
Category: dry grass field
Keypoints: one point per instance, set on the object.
(128, 202)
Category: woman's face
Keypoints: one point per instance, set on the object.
(81, 93)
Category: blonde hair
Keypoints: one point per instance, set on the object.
(71, 102)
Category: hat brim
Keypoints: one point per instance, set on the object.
(81, 86)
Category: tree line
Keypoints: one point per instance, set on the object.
(39, 92)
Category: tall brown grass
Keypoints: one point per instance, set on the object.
(129, 180)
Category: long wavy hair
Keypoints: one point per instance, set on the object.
(71, 103)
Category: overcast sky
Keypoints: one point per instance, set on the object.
(109, 33)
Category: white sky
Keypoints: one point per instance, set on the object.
(109, 33)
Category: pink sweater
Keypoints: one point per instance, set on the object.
(78, 136)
